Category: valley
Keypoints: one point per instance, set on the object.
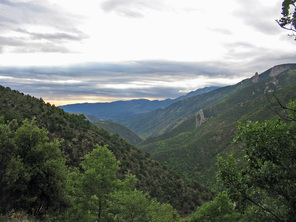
(188, 134)
(172, 151)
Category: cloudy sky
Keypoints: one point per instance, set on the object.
(70, 51)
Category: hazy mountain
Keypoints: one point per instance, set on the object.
(122, 110)
(203, 126)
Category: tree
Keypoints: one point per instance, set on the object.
(134, 205)
(98, 195)
(288, 20)
(33, 173)
(220, 209)
(263, 182)
(92, 186)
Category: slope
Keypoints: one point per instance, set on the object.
(192, 146)
(161, 121)
(78, 136)
(122, 131)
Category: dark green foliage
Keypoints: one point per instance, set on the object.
(92, 186)
(134, 205)
(79, 137)
(122, 131)
(263, 182)
(219, 210)
(288, 20)
(33, 172)
(97, 195)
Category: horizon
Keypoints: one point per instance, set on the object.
(69, 52)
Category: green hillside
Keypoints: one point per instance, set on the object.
(191, 147)
(122, 131)
(162, 121)
(113, 128)
(78, 137)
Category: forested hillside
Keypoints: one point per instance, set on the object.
(192, 146)
(162, 121)
(78, 137)
(120, 130)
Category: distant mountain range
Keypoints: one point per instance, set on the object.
(191, 133)
(188, 133)
(123, 110)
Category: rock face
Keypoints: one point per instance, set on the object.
(255, 77)
(278, 69)
(200, 118)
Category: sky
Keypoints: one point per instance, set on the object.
(73, 51)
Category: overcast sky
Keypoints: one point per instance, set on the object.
(69, 51)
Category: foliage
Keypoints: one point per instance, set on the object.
(98, 195)
(288, 20)
(116, 128)
(78, 137)
(134, 205)
(220, 210)
(92, 186)
(263, 182)
(33, 173)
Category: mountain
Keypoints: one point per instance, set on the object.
(164, 120)
(113, 128)
(122, 131)
(124, 110)
(202, 127)
(78, 137)
(161, 121)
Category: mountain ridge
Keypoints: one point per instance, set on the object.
(125, 110)
(191, 146)
(158, 122)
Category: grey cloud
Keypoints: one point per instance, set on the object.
(54, 36)
(242, 50)
(16, 15)
(5, 41)
(37, 12)
(93, 79)
(259, 17)
(20, 45)
(130, 8)
(221, 31)
(42, 47)
(155, 68)
(101, 79)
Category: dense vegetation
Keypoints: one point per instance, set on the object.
(262, 183)
(78, 137)
(120, 130)
(34, 180)
(191, 146)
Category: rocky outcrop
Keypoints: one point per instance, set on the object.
(200, 118)
(279, 69)
(255, 78)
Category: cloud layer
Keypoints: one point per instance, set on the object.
(18, 18)
(99, 82)
(104, 50)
